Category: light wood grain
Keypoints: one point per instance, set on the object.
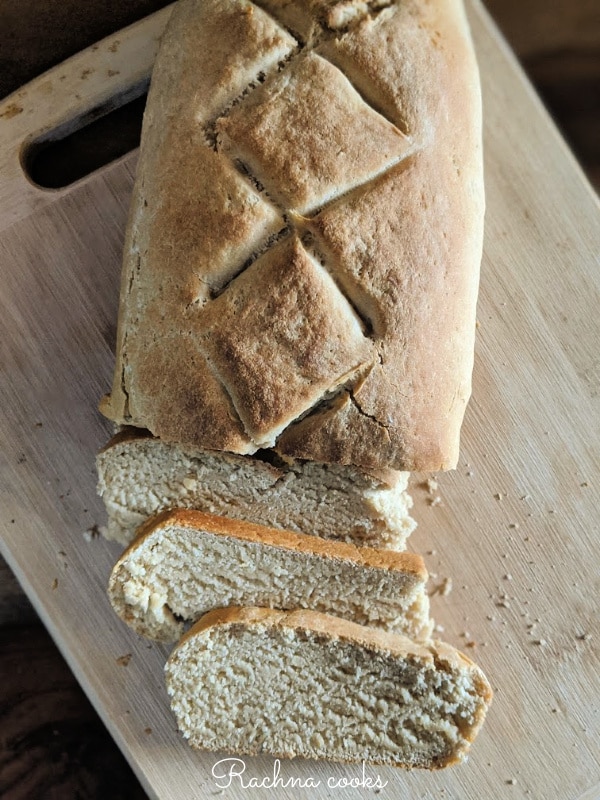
(101, 77)
(531, 438)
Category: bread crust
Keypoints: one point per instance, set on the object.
(371, 638)
(374, 371)
(369, 557)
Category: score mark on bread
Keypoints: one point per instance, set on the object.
(328, 157)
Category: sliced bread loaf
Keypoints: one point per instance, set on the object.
(183, 564)
(251, 680)
(138, 476)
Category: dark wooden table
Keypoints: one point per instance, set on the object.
(52, 744)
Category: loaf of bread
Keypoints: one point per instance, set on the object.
(252, 680)
(302, 257)
(139, 475)
(183, 564)
(295, 335)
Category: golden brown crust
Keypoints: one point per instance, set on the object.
(407, 248)
(193, 221)
(408, 563)
(280, 338)
(371, 364)
(316, 622)
(322, 119)
(126, 434)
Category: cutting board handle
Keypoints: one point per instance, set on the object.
(104, 76)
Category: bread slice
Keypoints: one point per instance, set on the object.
(183, 564)
(302, 258)
(138, 476)
(253, 680)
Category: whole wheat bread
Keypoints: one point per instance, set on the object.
(302, 257)
(251, 680)
(183, 564)
(139, 475)
(300, 275)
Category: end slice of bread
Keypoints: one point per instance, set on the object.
(184, 563)
(139, 476)
(253, 680)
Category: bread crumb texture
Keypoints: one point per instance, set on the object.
(295, 688)
(139, 476)
(176, 573)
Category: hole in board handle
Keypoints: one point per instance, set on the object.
(81, 146)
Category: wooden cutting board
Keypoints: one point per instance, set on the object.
(517, 528)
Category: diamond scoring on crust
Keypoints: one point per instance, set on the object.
(309, 135)
(280, 337)
(267, 136)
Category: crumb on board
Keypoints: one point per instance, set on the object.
(54, 584)
(123, 661)
(498, 496)
(147, 731)
(93, 532)
(444, 588)
(431, 486)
